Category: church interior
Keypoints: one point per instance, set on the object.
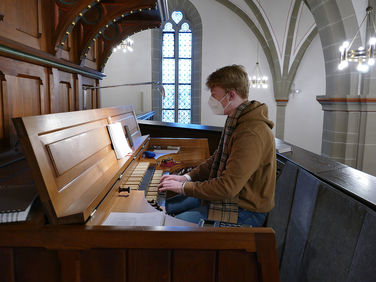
(68, 68)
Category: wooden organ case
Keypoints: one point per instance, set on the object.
(78, 177)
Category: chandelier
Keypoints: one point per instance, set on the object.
(257, 79)
(125, 45)
(363, 56)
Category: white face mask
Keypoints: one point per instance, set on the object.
(216, 106)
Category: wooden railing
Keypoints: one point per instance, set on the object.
(146, 116)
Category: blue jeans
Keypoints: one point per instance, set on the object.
(190, 209)
(255, 219)
(186, 208)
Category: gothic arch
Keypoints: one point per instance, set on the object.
(336, 21)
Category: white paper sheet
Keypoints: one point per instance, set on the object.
(119, 142)
(165, 152)
(135, 219)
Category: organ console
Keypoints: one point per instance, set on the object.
(80, 182)
(79, 178)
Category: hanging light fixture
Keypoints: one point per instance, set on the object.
(125, 45)
(258, 79)
(364, 56)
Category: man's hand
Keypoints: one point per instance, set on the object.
(179, 178)
(171, 185)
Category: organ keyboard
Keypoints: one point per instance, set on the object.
(144, 177)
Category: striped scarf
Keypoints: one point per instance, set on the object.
(225, 210)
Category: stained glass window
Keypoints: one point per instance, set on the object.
(168, 102)
(168, 71)
(177, 16)
(168, 47)
(168, 115)
(177, 69)
(184, 116)
(168, 27)
(185, 27)
(185, 71)
(185, 45)
(184, 97)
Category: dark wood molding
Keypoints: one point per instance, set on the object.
(355, 183)
(18, 51)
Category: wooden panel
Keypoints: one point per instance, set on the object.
(64, 97)
(164, 129)
(195, 265)
(21, 21)
(237, 266)
(23, 93)
(3, 6)
(84, 81)
(27, 17)
(69, 265)
(145, 265)
(111, 253)
(103, 265)
(62, 90)
(267, 257)
(191, 150)
(23, 99)
(88, 189)
(85, 164)
(6, 265)
(68, 152)
(27, 96)
(88, 99)
(36, 265)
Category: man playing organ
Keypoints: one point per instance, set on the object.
(236, 184)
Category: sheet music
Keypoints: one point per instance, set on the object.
(162, 152)
(119, 142)
(135, 219)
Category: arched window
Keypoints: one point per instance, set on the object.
(177, 69)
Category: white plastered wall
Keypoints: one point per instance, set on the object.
(304, 115)
(130, 67)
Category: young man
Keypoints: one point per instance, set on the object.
(237, 182)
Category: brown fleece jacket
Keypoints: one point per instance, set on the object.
(250, 168)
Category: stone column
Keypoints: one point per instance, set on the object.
(341, 124)
(280, 118)
(336, 22)
(367, 136)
